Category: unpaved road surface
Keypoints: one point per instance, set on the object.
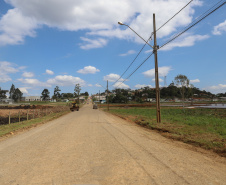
(93, 147)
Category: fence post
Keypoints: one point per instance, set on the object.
(19, 116)
(27, 115)
(46, 111)
(33, 114)
(9, 117)
(39, 113)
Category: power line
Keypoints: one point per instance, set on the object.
(136, 69)
(174, 15)
(149, 39)
(130, 64)
(187, 28)
(102, 86)
(197, 18)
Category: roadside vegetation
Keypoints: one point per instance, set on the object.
(10, 129)
(201, 127)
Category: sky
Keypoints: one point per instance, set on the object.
(44, 44)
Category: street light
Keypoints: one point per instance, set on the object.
(155, 48)
(120, 23)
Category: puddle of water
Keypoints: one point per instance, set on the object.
(215, 106)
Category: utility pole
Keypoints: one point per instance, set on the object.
(99, 96)
(107, 96)
(158, 112)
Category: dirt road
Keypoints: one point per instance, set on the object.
(92, 147)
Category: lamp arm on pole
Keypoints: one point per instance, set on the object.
(136, 33)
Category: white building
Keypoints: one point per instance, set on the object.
(33, 98)
(100, 98)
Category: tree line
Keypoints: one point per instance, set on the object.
(179, 88)
(17, 95)
(57, 95)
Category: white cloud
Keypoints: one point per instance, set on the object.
(95, 43)
(98, 85)
(24, 90)
(88, 70)
(7, 68)
(163, 71)
(195, 81)
(95, 17)
(112, 77)
(130, 52)
(33, 82)
(219, 29)
(220, 88)
(28, 74)
(160, 80)
(120, 85)
(49, 72)
(14, 27)
(65, 80)
(90, 85)
(139, 86)
(184, 41)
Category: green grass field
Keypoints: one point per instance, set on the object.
(200, 127)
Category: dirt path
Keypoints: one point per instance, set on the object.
(92, 147)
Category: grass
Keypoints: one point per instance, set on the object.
(200, 127)
(14, 127)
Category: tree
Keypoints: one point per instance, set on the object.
(77, 90)
(17, 95)
(56, 95)
(86, 94)
(67, 95)
(45, 94)
(182, 83)
(12, 90)
(3, 93)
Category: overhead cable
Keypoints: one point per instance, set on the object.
(149, 39)
(195, 22)
(136, 69)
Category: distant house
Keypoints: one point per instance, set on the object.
(33, 98)
(6, 100)
(100, 98)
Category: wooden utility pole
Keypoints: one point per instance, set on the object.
(158, 112)
(107, 96)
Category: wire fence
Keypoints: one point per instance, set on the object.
(25, 115)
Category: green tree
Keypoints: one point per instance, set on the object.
(182, 83)
(17, 95)
(57, 94)
(86, 94)
(67, 95)
(2, 93)
(12, 90)
(45, 94)
(77, 90)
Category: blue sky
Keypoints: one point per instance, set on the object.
(48, 43)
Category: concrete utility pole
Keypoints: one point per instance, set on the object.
(99, 98)
(155, 48)
(107, 96)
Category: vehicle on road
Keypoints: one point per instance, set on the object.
(95, 106)
(74, 106)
